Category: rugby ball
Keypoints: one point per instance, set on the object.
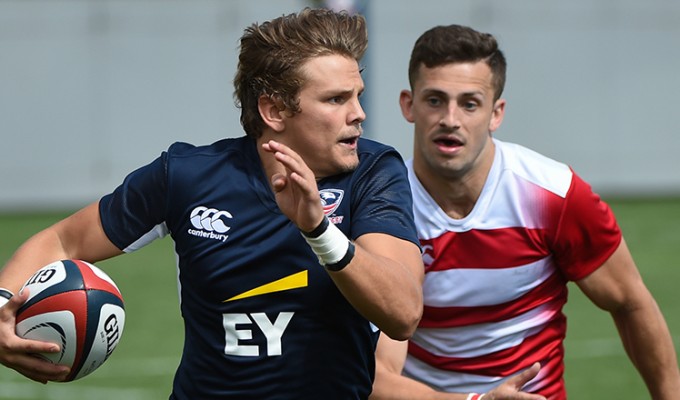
(76, 305)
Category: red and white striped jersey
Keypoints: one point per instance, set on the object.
(496, 280)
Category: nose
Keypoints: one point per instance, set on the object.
(357, 114)
(450, 119)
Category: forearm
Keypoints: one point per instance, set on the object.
(385, 292)
(648, 342)
(38, 251)
(78, 236)
(393, 386)
(389, 383)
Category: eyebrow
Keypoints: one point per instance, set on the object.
(342, 92)
(442, 93)
(437, 92)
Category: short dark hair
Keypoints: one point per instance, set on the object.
(451, 44)
(272, 54)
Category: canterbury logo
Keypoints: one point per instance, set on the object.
(209, 223)
(209, 219)
(427, 255)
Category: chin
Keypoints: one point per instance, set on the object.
(342, 167)
(353, 163)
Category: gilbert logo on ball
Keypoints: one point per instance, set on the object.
(76, 305)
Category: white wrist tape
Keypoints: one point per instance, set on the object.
(330, 246)
(5, 295)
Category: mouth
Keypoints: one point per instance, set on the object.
(448, 143)
(350, 141)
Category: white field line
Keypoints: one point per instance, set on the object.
(15, 387)
(32, 390)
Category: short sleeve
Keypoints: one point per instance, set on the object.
(136, 206)
(587, 233)
(382, 199)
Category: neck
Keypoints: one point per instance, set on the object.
(457, 198)
(456, 192)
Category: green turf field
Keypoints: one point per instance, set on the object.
(141, 368)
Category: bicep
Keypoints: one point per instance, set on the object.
(616, 283)
(79, 236)
(82, 236)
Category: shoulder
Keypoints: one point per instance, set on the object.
(185, 158)
(185, 164)
(536, 168)
(372, 153)
(371, 147)
(183, 149)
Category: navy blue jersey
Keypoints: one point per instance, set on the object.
(262, 318)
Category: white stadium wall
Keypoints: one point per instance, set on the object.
(591, 83)
(90, 90)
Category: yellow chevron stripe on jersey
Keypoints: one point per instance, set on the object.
(289, 282)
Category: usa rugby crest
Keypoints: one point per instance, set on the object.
(330, 200)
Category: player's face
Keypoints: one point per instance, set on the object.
(454, 113)
(326, 131)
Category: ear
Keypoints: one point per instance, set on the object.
(497, 115)
(406, 103)
(272, 112)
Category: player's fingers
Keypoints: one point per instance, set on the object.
(18, 352)
(278, 182)
(289, 158)
(28, 346)
(512, 388)
(525, 376)
(9, 310)
(35, 367)
(42, 371)
(274, 147)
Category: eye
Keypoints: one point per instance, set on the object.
(336, 100)
(470, 105)
(434, 101)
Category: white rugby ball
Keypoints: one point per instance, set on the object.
(76, 305)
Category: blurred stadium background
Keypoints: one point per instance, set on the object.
(92, 89)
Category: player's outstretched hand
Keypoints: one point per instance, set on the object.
(295, 187)
(18, 353)
(510, 389)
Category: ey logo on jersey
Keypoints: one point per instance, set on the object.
(209, 223)
(330, 201)
(240, 327)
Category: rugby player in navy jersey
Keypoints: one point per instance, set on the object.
(295, 243)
